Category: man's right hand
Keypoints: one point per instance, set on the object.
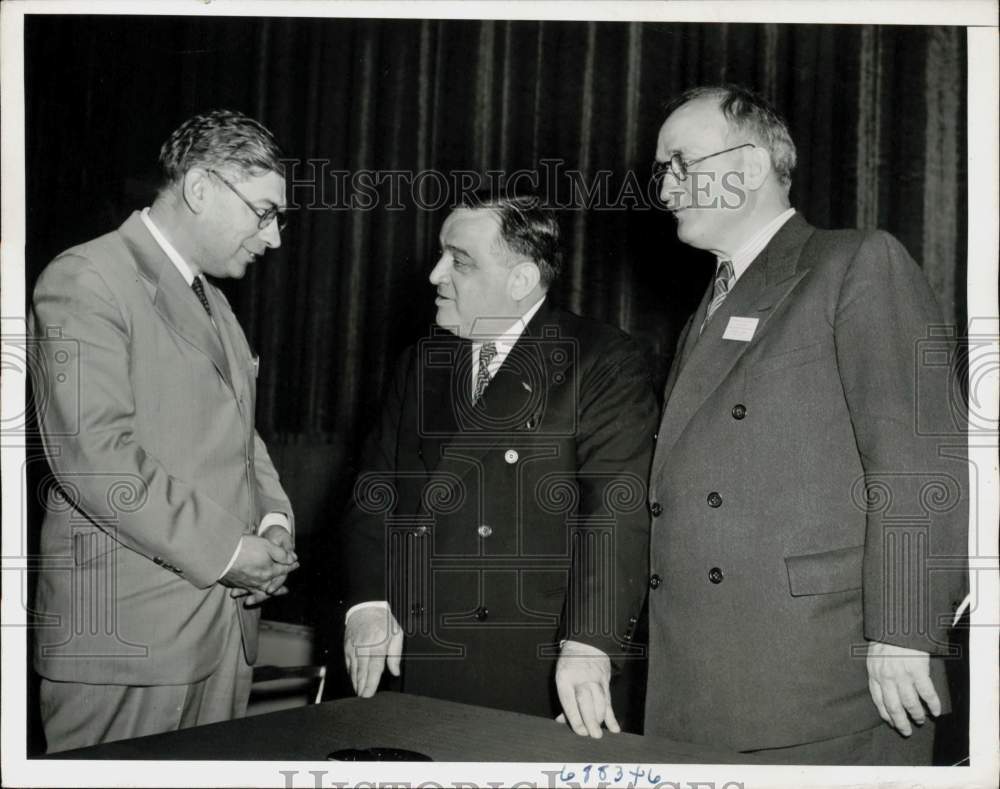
(258, 564)
(373, 640)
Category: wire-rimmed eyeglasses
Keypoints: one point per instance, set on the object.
(265, 216)
(677, 167)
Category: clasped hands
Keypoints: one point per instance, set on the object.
(261, 566)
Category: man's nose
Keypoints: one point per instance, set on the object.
(670, 189)
(440, 271)
(270, 234)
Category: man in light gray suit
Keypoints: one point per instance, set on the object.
(165, 522)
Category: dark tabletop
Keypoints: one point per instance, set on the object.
(442, 730)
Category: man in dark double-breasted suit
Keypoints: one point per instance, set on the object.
(809, 487)
(495, 512)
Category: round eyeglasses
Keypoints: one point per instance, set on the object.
(678, 168)
(265, 216)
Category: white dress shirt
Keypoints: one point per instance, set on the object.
(746, 254)
(504, 342)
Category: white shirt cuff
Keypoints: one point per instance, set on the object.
(383, 604)
(961, 609)
(580, 648)
(232, 560)
(271, 519)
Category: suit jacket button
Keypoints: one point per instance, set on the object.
(654, 581)
(420, 531)
(656, 509)
(416, 609)
(715, 575)
(714, 500)
(485, 531)
(510, 456)
(481, 613)
(739, 411)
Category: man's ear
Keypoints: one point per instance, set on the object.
(758, 167)
(523, 278)
(194, 187)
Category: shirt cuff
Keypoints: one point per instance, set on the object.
(580, 648)
(232, 560)
(383, 604)
(271, 519)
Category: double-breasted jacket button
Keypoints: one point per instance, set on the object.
(739, 411)
(633, 620)
(485, 531)
(511, 456)
(481, 613)
(656, 509)
(655, 580)
(714, 499)
(416, 609)
(715, 575)
(420, 531)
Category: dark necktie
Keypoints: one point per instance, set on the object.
(486, 354)
(199, 290)
(724, 277)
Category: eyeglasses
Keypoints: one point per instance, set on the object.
(679, 168)
(265, 216)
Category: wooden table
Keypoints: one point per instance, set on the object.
(443, 730)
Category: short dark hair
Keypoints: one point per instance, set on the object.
(527, 228)
(217, 139)
(752, 114)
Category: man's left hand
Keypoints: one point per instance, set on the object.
(898, 679)
(583, 681)
(280, 536)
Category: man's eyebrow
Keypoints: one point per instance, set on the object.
(453, 249)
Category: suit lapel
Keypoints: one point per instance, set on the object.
(444, 364)
(707, 359)
(236, 363)
(173, 298)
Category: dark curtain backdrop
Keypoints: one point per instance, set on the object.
(878, 114)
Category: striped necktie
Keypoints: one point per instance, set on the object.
(199, 290)
(487, 351)
(724, 277)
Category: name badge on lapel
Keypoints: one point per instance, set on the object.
(740, 329)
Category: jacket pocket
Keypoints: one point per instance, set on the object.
(839, 570)
(795, 357)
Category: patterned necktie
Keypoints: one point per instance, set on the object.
(487, 351)
(199, 290)
(723, 282)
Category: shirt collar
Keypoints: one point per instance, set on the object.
(168, 249)
(505, 341)
(752, 248)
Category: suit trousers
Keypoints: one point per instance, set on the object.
(879, 746)
(77, 715)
